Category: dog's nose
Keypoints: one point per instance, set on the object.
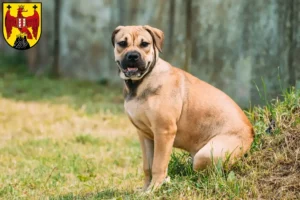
(133, 56)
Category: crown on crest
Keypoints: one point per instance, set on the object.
(21, 6)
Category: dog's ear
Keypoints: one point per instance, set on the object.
(114, 34)
(157, 36)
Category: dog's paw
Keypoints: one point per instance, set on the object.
(167, 180)
(154, 186)
(142, 189)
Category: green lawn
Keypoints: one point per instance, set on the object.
(66, 139)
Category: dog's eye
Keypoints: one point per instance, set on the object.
(144, 44)
(122, 44)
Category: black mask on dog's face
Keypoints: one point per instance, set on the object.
(136, 49)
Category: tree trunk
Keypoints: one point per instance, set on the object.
(31, 54)
(291, 66)
(171, 26)
(56, 71)
(188, 43)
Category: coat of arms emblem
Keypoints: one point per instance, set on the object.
(22, 24)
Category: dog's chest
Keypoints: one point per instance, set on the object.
(133, 109)
(136, 111)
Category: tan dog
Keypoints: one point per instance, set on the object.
(170, 107)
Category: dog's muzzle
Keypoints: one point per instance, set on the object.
(133, 65)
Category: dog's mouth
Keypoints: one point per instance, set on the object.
(131, 71)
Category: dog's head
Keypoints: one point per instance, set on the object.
(136, 49)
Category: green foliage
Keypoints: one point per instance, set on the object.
(181, 164)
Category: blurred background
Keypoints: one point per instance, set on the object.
(63, 130)
(237, 46)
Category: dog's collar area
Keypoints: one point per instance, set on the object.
(131, 87)
(132, 83)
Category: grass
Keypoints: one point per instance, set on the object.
(66, 139)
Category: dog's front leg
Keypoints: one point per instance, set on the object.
(147, 146)
(163, 143)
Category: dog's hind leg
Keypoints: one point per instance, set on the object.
(221, 147)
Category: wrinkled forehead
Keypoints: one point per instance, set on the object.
(133, 33)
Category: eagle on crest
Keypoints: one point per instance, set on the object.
(22, 23)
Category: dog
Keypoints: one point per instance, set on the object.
(170, 107)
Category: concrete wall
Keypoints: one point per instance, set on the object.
(234, 43)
